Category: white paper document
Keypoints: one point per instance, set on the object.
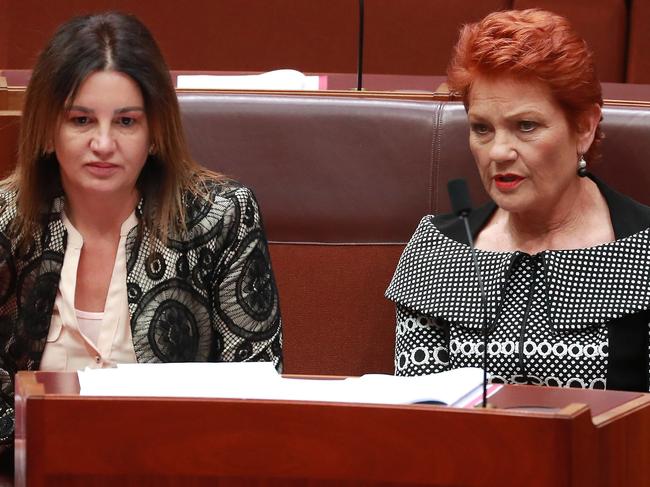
(259, 380)
(281, 79)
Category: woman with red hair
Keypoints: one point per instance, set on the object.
(564, 258)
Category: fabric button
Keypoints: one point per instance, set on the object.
(98, 359)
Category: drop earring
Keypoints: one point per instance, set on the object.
(582, 166)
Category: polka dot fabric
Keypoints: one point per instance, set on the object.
(589, 286)
(547, 313)
(435, 265)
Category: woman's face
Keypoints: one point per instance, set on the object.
(524, 148)
(102, 142)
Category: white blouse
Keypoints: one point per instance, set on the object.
(79, 339)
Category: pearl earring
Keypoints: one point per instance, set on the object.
(582, 166)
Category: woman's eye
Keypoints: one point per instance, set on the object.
(480, 128)
(126, 121)
(80, 120)
(527, 126)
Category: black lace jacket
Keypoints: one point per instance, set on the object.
(208, 297)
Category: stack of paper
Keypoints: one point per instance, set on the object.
(261, 381)
(281, 79)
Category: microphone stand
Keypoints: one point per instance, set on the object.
(463, 216)
(360, 48)
(462, 206)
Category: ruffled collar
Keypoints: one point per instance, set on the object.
(435, 276)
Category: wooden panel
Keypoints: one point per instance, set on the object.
(70, 440)
(638, 67)
(405, 37)
(417, 36)
(602, 23)
(4, 32)
(336, 319)
(9, 128)
(241, 35)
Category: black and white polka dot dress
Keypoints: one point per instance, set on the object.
(550, 315)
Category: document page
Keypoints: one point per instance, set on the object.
(281, 79)
(259, 380)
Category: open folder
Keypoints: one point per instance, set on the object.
(459, 387)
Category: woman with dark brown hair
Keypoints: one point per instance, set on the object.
(565, 260)
(116, 245)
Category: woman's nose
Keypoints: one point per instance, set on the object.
(103, 141)
(502, 148)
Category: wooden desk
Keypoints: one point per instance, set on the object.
(65, 439)
(13, 83)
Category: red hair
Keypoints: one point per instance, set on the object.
(533, 44)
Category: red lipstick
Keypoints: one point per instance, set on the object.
(507, 181)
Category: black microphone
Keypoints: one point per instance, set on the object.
(360, 48)
(461, 205)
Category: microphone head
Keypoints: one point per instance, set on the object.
(461, 204)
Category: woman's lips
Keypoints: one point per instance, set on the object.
(507, 181)
(102, 169)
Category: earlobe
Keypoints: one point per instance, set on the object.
(48, 147)
(587, 127)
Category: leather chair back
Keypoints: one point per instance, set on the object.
(342, 183)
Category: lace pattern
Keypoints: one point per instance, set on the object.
(209, 296)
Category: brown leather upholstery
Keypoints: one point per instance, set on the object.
(623, 165)
(626, 151)
(342, 184)
(325, 169)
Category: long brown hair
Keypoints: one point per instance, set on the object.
(80, 47)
